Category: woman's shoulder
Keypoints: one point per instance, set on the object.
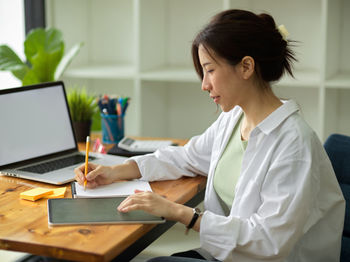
(288, 121)
(298, 126)
(297, 134)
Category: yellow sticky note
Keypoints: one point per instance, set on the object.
(57, 193)
(35, 193)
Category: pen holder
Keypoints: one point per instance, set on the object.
(112, 128)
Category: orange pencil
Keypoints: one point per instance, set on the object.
(86, 158)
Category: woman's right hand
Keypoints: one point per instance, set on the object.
(97, 175)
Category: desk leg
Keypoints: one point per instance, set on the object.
(136, 248)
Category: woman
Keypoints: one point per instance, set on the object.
(271, 192)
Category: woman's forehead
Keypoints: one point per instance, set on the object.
(207, 55)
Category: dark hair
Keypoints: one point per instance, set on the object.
(233, 34)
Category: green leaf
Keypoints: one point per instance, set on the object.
(67, 59)
(44, 64)
(9, 61)
(44, 50)
(30, 78)
(81, 105)
(54, 40)
(39, 39)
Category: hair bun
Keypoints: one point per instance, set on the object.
(268, 20)
(233, 34)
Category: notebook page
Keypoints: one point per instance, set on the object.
(123, 188)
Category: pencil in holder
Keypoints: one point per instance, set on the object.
(112, 128)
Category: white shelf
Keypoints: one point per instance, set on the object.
(341, 80)
(176, 74)
(146, 49)
(100, 71)
(303, 79)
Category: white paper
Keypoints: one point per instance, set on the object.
(123, 188)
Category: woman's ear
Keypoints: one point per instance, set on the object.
(248, 66)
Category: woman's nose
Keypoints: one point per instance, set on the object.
(205, 84)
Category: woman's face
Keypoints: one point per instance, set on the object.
(221, 80)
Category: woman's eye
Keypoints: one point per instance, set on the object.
(210, 70)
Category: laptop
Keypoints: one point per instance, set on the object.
(37, 136)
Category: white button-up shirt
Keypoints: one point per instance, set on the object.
(288, 205)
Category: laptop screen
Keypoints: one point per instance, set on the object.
(34, 122)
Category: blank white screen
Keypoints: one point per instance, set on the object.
(34, 123)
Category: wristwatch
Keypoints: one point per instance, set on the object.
(196, 214)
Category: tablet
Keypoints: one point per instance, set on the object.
(78, 211)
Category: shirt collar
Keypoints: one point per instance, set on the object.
(278, 116)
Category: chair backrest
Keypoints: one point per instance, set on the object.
(338, 149)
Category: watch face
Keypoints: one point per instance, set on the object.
(197, 211)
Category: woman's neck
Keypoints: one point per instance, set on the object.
(257, 109)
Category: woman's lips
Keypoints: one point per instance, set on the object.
(215, 98)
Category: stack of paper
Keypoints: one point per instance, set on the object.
(57, 193)
(35, 193)
(39, 192)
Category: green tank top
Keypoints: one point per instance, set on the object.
(229, 167)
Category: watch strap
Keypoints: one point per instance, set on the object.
(196, 214)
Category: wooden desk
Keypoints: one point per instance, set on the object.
(24, 226)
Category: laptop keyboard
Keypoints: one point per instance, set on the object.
(56, 164)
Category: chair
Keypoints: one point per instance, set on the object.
(338, 149)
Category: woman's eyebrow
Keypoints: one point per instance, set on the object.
(205, 64)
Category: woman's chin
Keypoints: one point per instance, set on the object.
(226, 108)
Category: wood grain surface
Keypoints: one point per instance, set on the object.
(24, 225)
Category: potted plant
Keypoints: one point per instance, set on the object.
(82, 107)
(45, 59)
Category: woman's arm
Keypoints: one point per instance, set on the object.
(173, 162)
(159, 206)
(103, 175)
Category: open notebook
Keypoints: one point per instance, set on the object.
(117, 189)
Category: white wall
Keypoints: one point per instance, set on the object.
(12, 33)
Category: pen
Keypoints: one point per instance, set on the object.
(119, 107)
(86, 158)
(123, 102)
(125, 107)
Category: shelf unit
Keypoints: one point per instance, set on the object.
(141, 48)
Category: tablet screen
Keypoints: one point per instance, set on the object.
(68, 211)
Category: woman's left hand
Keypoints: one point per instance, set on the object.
(151, 203)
